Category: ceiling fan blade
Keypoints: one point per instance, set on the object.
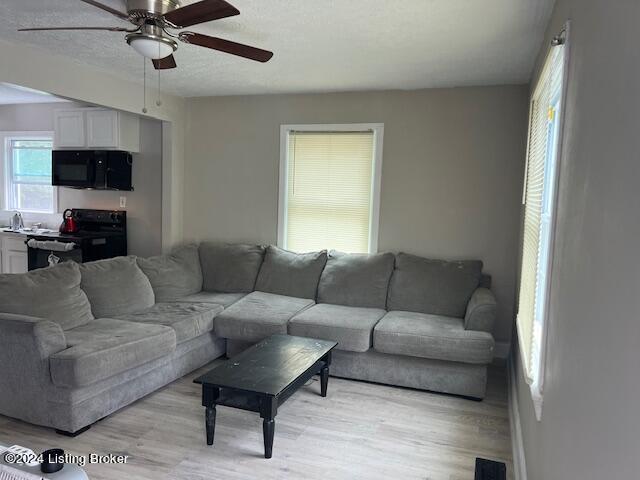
(109, 29)
(226, 46)
(107, 8)
(201, 12)
(165, 63)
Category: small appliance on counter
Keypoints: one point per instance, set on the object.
(84, 236)
(17, 222)
(69, 224)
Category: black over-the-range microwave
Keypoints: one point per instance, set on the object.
(99, 169)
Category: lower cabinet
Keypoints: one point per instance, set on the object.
(13, 254)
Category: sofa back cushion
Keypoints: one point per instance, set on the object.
(116, 286)
(230, 268)
(175, 275)
(289, 273)
(433, 286)
(356, 280)
(53, 293)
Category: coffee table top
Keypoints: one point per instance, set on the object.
(269, 366)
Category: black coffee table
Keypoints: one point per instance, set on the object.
(263, 377)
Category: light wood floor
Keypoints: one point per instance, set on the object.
(360, 431)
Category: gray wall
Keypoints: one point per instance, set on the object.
(590, 426)
(451, 179)
(144, 205)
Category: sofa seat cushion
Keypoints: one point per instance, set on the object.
(53, 293)
(431, 336)
(116, 286)
(106, 347)
(351, 327)
(189, 320)
(174, 275)
(221, 298)
(258, 315)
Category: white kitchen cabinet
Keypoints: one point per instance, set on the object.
(15, 262)
(102, 129)
(69, 128)
(96, 128)
(14, 254)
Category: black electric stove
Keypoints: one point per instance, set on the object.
(101, 234)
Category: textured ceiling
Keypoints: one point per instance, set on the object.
(12, 94)
(319, 45)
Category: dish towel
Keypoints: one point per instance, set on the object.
(51, 245)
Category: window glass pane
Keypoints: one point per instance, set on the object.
(33, 197)
(29, 175)
(31, 165)
(541, 174)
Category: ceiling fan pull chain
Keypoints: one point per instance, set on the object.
(158, 101)
(144, 85)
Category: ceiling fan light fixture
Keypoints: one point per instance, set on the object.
(150, 46)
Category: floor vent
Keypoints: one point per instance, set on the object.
(490, 470)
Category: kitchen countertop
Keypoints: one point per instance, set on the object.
(24, 233)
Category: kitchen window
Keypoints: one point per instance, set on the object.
(539, 199)
(330, 187)
(27, 172)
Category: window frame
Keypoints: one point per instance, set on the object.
(6, 169)
(545, 271)
(376, 178)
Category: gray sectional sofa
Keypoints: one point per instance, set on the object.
(78, 342)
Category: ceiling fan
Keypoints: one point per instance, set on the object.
(157, 21)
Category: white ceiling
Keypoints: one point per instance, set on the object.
(319, 45)
(13, 95)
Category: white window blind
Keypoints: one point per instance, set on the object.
(539, 207)
(329, 190)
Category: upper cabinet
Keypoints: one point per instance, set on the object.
(96, 128)
(69, 128)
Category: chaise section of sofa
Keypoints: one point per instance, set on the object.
(91, 367)
(106, 347)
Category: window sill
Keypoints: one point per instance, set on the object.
(536, 397)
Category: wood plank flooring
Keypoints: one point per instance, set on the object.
(360, 431)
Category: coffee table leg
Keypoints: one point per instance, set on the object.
(210, 423)
(268, 430)
(268, 412)
(324, 380)
(324, 375)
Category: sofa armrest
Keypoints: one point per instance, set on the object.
(481, 311)
(24, 335)
(26, 343)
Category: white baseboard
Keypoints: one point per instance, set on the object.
(517, 445)
(501, 350)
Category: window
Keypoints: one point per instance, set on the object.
(539, 199)
(27, 173)
(330, 187)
